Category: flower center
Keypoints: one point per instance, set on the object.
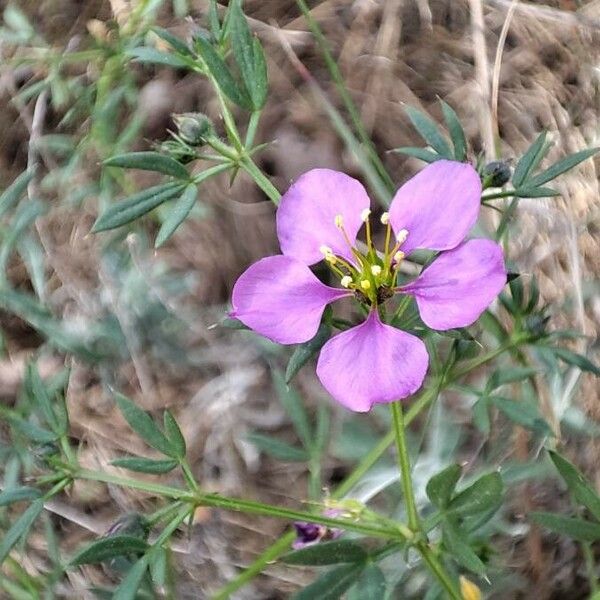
(370, 274)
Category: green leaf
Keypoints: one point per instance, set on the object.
(149, 161)
(179, 211)
(292, 402)
(219, 70)
(277, 449)
(141, 422)
(18, 495)
(582, 491)
(40, 396)
(421, 153)
(578, 529)
(33, 432)
(441, 486)
(213, 18)
(562, 166)
(109, 547)
(304, 352)
(577, 360)
(177, 44)
(129, 586)
(483, 495)
(535, 192)
(327, 553)
(249, 56)
(512, 375)
(230, 323)
(523, 413)
(457, 134)
(135, 206)
(429, 131)
(20, 528)
(481, 417)
(144, 54)
(173, 433)
(370, 586)
(460, 551)
(331, 585)
(530, 160)
(13, 193)
(145, 465)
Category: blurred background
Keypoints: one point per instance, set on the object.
(142, 320)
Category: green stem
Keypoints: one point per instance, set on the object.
(189, 476)
(404, 464)
(503, 194)
(252, 127)
(261, 180)
(345, 95)
(436, 567)
(269, 555)
(590, 566)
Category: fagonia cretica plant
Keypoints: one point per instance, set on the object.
(319, 218)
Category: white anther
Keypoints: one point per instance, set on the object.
(402, 235)
(346, 281)
(385, 218)
(325, 250)
(339, 221)
(376, 270)
(364, 215)
(399, 256)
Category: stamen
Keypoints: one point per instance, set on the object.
(331, 259)
(346, 281)
(385, 218)
(364, 215)
(402, 235)
(339, 221)
(376, 270)
(325, 250)
(399, 256)
(365, 284)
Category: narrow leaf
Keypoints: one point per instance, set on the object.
(421, 153)
(331, 585)
(109, 547)
(304, 352)
(135, 206)
(20, 528)
(461, 551)
(149, 161)
(326, 553)
(13, 193)
(141, 422)
(370, 586)
(177, 44)
(277, 449)
(429, 131)
(562, 166)
(578, 529)
(145, 465)
(144, 54)
(577, 360)
(441, 486)
(457, 134)
(535, 192)
(18, 495)
(173, 433)
(523, 413)
(42, 399)
(129, 586)
(483, 495)
(512, 375)
(582, 491)
(179, 211)
(529, 160)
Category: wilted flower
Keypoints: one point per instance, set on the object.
(496, 174)
(319, 218)
(308, 534)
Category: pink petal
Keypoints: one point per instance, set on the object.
(372, 363)
(459, 285)
(438, 206)
(306, 215)
(280, 298)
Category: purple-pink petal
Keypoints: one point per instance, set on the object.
(306, 215)
(372, 363)
(459, 285)
(438, 206)
(280, 298)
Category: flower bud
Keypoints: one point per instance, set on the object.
(133, 524)
(193, 128)
(496, 174)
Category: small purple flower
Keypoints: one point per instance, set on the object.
(319, 218)
(308, 534)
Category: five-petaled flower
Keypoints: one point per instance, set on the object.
(319, 218)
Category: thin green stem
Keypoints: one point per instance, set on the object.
(436, 567)
(502, 194)
(260, 179)
(590, 566)
(404, 464)
(189, 476)
(345, 95)
(269, 555)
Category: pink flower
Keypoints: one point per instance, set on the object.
(319, 218)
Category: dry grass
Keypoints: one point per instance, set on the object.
(390, 53)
